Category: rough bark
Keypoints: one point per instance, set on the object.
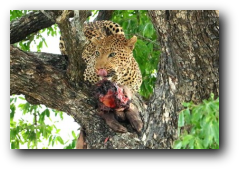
(72, 33)
(28, 24)
(104, 15)
(188, 70)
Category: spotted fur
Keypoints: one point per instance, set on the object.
(108, 49)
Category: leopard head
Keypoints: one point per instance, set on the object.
(112, 59)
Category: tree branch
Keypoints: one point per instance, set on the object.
(28, 24)
(37, 75)
(104, 15)
(42, 78)
(51, 14)
(72, 33)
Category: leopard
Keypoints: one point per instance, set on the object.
(108, 54)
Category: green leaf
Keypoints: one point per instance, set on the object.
(181, 119)
(73, 144)
(53, 141)
(60, 140)
(73, 134)
(187, 116)
(13, 134)
(207, 128)
(198, 144)
(11, 99)
(186, 140)
(212, 107)
(191, 144)
(12, 124)
(42, 117)
(208, 139)
(32, 135)
(12, 108)
(43, 39)
(177, 144)
(216, 147)
(12, 145)
(58, 130)
(24, 107)
(47, 112)
(211, 96)
(215, 131)
(49, 140)
(186, 104)
(33, 108)
(61, 115)
(22, 98)
(68, 147)
(197, 114)
(39, 46)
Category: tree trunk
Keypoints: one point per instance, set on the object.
(28, 24)
(188, 70)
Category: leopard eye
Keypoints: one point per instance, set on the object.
(97, 53)
(112, 55)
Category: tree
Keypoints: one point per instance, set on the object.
(188, 70)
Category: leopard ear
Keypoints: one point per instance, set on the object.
(131, 42)
(95, 41)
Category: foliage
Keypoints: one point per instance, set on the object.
(199, 125)
(72, 145)
(14, 14)
(36, 40)
(146, 51)
(31, 133)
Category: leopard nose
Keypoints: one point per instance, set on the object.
(102, 72)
